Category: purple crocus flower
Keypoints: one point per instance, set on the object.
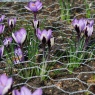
(1, 51)
(88, 30)
(44, 36)
(5, 84)
(2, 18)
(19, 57)
(7, 41)
(79, 25)
(25, 91)
(11, 22)
(89, 27)
(34, 6)
(2, 27)
(19, 36)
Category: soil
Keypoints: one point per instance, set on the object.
(58, 80)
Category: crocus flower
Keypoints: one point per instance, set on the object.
(2, 27)
(44, 36)
(1, 51)
(19, 57)
(11, 22)
(79, 24)
(7, 41)
(89, 28)
(34, 6)
(25, 91)
(2, 18)
(5, 84)
(19, 36)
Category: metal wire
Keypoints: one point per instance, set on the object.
(65, 82)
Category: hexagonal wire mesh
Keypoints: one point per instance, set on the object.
(58, 80)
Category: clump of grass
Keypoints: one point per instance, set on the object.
(65, 10)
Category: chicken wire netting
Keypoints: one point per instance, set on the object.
(81, 80)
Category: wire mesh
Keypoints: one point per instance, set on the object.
(81, 81)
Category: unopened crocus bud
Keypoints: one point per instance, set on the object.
(1, 51)
(2, 27)
(11, 22)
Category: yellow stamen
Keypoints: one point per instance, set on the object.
(33, 4)
(17, 58)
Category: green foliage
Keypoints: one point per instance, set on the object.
(77, 54)
(65, 10)
(88, 10)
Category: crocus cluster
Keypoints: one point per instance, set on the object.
(18, 36)
(6, 85)
(45, 36)
(85, 26)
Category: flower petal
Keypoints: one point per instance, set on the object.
(1, 89)
(32, 6)
(23, 34)
(3, 79)
(8, 86)
(38, 92)
(1, 51)
(27, 8)
(7, 41)
(75, 22)
(15, 92)
(45, 35)
(49, 34)
(25, 91)
(81, 25)
(19, 36)
(2, 17)
(14, 37)
(91, 22)
(89, 30)
(2, 27)
(38, 33)
(35, 23)
(38, 5)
